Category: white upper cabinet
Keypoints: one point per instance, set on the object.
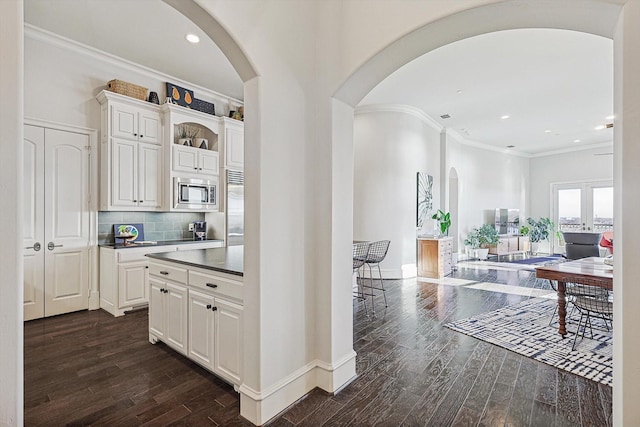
(233, 144)
(192, 160)
(131, 152)
(134, 123)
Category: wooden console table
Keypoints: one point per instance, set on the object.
(435, 257)
(578, 271)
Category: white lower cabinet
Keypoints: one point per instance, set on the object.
(124, 274)
(168, 314)
(210, 321)
(132, 283)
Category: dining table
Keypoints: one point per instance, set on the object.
(592, 270)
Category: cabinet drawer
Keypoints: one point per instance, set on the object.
(217, 284)
(167, 272)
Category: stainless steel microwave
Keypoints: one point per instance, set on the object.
(196, 194)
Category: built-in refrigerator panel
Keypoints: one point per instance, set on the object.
(234, 207)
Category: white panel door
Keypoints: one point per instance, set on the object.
(124, 122)
(56, 231)
(66, 222)
(185, 159)
(208, 162)
(149, 175)
(33, 222)
(228, 340)
(149, 126)
(132, 283)
(124, 178)
(234, 147)
(157, 308)
(201, 327)
(176, 306)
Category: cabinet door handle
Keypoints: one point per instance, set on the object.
(135, 134)
(212, 285)
(147, 266)
(135, 201)
(51, 246)
(164, 273)
(208, 306)
(214, 308)
(141, 201)
(36, 246)
(141, 136)
(195, 168)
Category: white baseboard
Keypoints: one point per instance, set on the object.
(260, 406)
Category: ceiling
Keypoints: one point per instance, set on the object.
(556, 86)
(544, 80)
(147, 32)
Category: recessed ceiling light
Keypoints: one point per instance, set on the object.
(610, 117)
(547, 131)
(510, 146)
(506, 116)
(445, 116)
(192, 38)
(599, 127)
(576, 140)
(458, 92)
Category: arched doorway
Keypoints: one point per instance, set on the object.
(599, 18)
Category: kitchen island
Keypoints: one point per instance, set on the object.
(196, 307)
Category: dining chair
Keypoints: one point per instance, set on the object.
(595, 301)
(573, 290)
(377, 253)
(360, 253)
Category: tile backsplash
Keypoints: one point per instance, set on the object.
(157, 225)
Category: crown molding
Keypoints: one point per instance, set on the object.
(40, 34)
(465, 141)
(399, 108)
(606, 145)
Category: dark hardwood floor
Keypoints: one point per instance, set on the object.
(89, 368)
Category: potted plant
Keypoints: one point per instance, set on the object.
(444, 221)
(479, 239)
(538, 231)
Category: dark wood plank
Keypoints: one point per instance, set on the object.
(89, 368)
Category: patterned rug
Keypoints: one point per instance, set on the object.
(524, 329)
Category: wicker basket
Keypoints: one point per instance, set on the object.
(127, 89)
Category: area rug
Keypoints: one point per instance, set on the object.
(524, 329)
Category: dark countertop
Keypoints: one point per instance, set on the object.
(159, 243)
(226, 260)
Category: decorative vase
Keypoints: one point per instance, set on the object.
(185, 141)
(153, 98)
(201, 143)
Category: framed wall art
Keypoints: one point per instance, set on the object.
(425, 197)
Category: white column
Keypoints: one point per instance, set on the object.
(11, 165)
(626, 379)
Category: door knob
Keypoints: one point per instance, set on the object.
(36, 246)
(51, 246)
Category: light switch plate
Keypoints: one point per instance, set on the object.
(190, 226)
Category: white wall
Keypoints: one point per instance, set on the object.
(626, 339)
(575, 166)
(389, 149)
(11, 218)
(62, 80)
(486, 180)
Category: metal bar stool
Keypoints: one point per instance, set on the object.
(377, 253)
(360, 252)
